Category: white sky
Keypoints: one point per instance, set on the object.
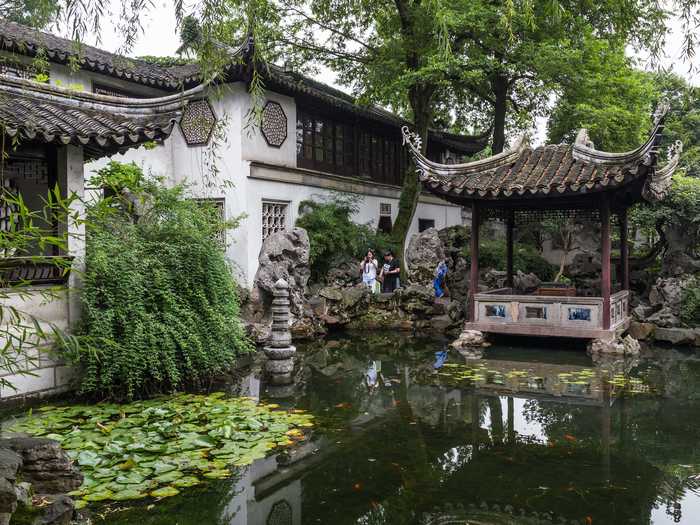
(160, 37)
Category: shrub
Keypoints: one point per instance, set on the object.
(690, 304)
(492, 254)
(160, 303)
(334, 237)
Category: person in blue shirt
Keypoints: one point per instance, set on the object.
(439, 281)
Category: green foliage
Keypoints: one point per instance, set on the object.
(334, 237)
(33, 13)
(679, 210)
(604, 94)
(160, 303)
(492, 254)
(683, 121)
(161, 446)
(690, 304)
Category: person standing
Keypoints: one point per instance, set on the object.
(369, 268)
(390, 274)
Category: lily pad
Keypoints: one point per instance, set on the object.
(165, 492)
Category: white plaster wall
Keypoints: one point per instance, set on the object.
(368, 212)
(254, 146)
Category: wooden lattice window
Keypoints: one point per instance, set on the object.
(274, 217)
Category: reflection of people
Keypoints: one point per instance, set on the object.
(390, 273)
(372, 375)
(440, 358)
(369, 269)
(439, 281)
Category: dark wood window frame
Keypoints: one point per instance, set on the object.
(354, 149)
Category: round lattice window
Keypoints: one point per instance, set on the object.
(274, 124)
(280, 514)
(197, 122)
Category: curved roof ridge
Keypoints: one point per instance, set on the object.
(87, 100)
(657, 186)
(508, 156)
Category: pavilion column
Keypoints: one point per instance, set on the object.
(474, 263)
(605, 259)
(624, 250)
(510, 226)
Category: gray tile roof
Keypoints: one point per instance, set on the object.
(102, 125)
(550, 171)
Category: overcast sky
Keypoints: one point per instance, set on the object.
(160, 37)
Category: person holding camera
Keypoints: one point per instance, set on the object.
(369, 268)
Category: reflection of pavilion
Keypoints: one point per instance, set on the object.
(478, 447)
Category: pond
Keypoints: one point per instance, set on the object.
(409, 432)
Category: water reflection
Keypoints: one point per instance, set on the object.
(408, 435)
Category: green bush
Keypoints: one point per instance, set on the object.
(492, 254)
(334, 237)
(690, 304)
(160, 304)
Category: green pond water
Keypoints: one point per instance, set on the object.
(408, 432)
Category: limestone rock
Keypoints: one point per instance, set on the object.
(8, 497)
(416, 298)
(425, 251)
(665, 318)
(344, 274)
(525, 282)
(675, 336)
(604, 346)
(59, 511)
(331, 293)
(667, 293)
(284, 255)
(631, 345)
(46, 465)
(642, 311)
(641, 331)
(469, 339)
(10, 463)
(495, 279)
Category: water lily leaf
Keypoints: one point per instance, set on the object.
(128, 494)
(161, 467)
(80, 504)
(169, 476)
(98, 496)
(217, 474)
(187, 481)
(165, 492)
(130, 478)
(89, 458)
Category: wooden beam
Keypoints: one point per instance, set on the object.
(605, 259)
(624, 250)
(510, 225)
(474, 263)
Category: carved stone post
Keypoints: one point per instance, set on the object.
(280, 352)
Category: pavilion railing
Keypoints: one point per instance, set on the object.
(34, 270)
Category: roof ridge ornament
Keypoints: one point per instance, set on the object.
(657, 186)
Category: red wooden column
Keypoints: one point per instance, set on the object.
(624, 250)
(605, 259)
(510, 225)
(474, 263)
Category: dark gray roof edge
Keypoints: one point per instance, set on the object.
(25, 40)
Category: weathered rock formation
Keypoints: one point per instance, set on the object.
(284, 255)
(425, 251)
(40, 468)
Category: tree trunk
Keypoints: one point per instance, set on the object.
(499, 85)
(411, 188)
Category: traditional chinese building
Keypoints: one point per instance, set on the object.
(526, 184)
(312, 141)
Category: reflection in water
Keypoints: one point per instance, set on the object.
(416, 434)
